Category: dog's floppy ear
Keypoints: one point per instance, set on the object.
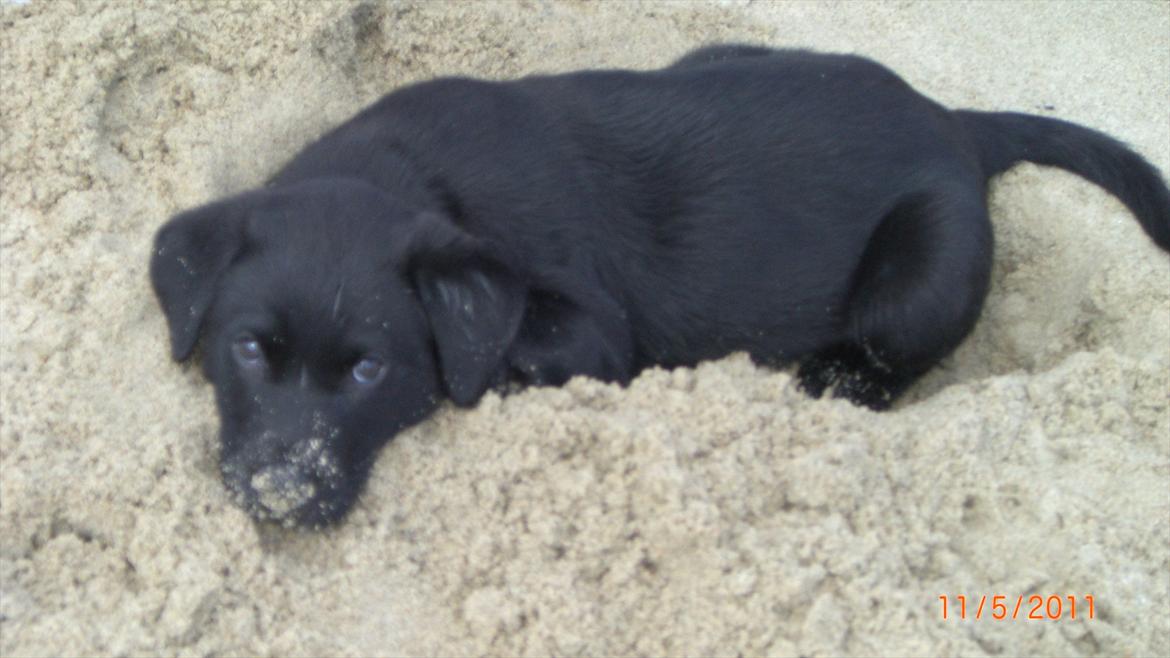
(473, 301)
(191, 252)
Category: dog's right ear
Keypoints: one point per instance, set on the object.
(191, 252)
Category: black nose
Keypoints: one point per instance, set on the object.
(282, 488)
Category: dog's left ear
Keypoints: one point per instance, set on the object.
(191, 252)
(473, 300)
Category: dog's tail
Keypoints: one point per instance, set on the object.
(1002, 139)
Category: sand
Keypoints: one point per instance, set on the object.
(713, 511)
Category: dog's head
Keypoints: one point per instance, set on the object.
(330, 318)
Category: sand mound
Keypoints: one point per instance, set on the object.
(712, 511)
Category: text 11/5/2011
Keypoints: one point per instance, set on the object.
(1001, 606)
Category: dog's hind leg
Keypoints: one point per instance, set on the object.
(915, 295)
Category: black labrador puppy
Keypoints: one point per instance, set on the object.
(461, 235)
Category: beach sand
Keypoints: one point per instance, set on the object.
(713, 511)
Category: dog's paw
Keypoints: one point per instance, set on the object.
(848, 376)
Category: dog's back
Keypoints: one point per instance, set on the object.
(720, 199)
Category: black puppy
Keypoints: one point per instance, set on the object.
(461, 235)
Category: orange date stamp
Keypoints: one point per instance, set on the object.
(1032, 607)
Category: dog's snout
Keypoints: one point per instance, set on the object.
(287, 480)
(282, 488)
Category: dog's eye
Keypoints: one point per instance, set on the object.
(368, 370)
(248, 350)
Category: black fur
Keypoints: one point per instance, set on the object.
(460, 235)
